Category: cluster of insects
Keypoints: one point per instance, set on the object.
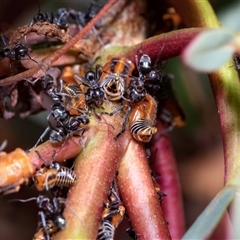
(73, 104)
(139, 92)
(137, 97)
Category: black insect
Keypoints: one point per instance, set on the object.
(78, 17)
(71, 126)
(95, 94)
(50, 215)
(59, 18)
(17, 53)
(64, 125)
(131, 233)
(146, 71)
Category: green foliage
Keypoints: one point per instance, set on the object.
(209, 50)
(211, 216)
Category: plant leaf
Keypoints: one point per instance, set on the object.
(209, 50)
(210, 217)
(235, 214)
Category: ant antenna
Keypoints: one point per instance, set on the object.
(4, 40)
(3, 145)
(23, 200)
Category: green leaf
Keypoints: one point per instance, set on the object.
(209, 50)
(235, 214)
(210, 217)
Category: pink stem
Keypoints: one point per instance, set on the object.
(165, 165)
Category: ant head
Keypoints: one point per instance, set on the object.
(57, 135)
(90, 76)
(145, 64)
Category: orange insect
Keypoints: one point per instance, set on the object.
(74, 99)
(15, 169)
(115, 76)
(112, 214)
(53, 175)
(142, 119)
(49, 229)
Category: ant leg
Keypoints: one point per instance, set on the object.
(3, 145)
(114, 111)
(44, 224)
(124, 123)
(41, 137)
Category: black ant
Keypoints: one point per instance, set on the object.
(66, 124)
(95, 94)
(17, 53)
(60, 19)
(78, 17)
(50, 215)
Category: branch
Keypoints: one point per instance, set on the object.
(165, 165)
(45, 64)
(139, 195)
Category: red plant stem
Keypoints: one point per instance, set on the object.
(165, 165)
(46, 62)
(139, 195)
(70, 149)
(164, 46)
(95, 168)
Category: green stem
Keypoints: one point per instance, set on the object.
(225, 86)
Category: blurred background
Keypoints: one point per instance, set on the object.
(197, 146)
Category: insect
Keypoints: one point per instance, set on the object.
(15, 169)
(70, 126)
(142, 129)
(112, 214)
(65, 123)
(160, 193)
(114, 76)
(51, 90)
(146, 71)
(95, 94)
(50, 216)
(74, 99)
(169, 109)
(45, 229)
(48, 177)
(142, 119)
(18, 52)
(59, 19)
(78, 17)
(131, 233)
